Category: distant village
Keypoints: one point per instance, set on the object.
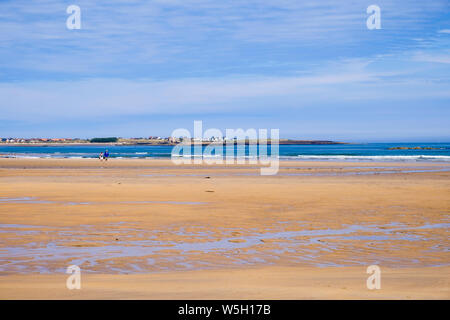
(38, 140)
(115, 140)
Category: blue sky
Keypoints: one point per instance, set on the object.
(310, 68)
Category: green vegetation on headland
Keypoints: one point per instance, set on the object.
(414, 148)
(104, 140)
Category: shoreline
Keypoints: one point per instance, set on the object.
(412, 159)
(167, 160)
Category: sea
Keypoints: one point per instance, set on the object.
(437, 152)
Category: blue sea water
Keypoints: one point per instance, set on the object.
(348, 152)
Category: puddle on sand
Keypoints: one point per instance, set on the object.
(35, 200)
(314, 174)
(309, 248)
(363, 172)
(23, 200)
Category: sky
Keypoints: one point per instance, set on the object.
(311, 69)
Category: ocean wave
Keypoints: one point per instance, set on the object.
(368, 158)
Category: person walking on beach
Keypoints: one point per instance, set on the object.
(100, 156)
(106, 155)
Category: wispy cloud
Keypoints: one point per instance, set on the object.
(349, 80)
(430, 57)
(124, 38)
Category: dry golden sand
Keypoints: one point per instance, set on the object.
(247, 283)
(142, 229)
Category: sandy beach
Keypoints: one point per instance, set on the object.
(147, 229)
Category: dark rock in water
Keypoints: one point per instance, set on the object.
(413, 148)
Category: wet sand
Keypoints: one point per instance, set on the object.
(150, 229)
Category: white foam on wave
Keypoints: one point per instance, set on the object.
(369, 158)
